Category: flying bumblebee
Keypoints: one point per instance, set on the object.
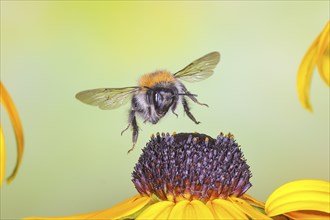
(156, 93)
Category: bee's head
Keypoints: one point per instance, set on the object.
(163, 99)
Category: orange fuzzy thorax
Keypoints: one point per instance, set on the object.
(151, 79)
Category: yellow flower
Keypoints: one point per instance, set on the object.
(13, 115)
(302, 199)
(187, 176)
(317, 54)
(193, 176)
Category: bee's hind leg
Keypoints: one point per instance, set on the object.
(135, 128)
(135, 134)
(122, 132)
(187, 111)
(131, 117)
(132, 122)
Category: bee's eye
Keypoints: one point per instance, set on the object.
(158, 97)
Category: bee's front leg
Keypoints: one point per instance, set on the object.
(187, 111)
(175, 103)
(193, 97)
(149, 113)
(196, 101)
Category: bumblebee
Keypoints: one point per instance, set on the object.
(156, 93)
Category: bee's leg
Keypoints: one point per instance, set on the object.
(130, 119)
(175, 103)
(193, 97)
(149, 113)
(135, 130)
(122, 132)
(187, 111)
(175, 113)
(135, 134)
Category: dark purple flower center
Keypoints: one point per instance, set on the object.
(191, 166)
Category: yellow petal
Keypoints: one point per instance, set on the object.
(73, 217)
(190, 210)
(323, 65)
(2, 157)
(305, 73)
(253, 201)
(247, 209)
(307, 215)
(13, 115)
(223, 209)
(178, 209)
(159, 210)
(323, 58)
(299, 195)
(126, 208)
(203, 212)
(121, 210)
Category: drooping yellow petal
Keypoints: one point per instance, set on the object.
(323, 57)
(323, 65)
(2, 157)
(247, 209)
(190, 210)
(253, 201)
(299, 195)
(121, 210)
(73, 217)
(307, 215)
(13, 115)
(159, 210)
(223, 209)
(305, 74)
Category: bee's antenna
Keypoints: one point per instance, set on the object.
(184, 94)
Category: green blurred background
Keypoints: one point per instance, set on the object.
(75, 160)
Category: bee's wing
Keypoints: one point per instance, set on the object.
(107, 98)
(200, 69)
